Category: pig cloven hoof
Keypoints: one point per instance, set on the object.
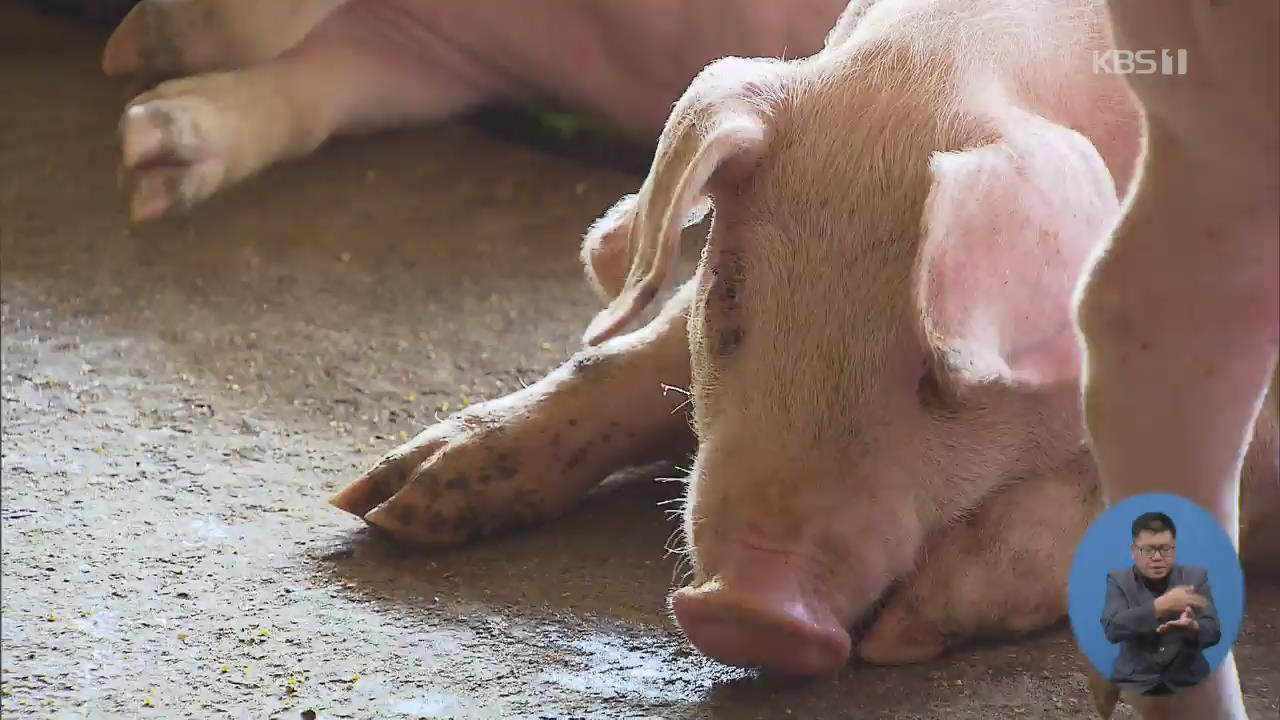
(366, 493)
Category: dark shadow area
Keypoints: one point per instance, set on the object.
(566, 134)
(604, 557)
(102, 13)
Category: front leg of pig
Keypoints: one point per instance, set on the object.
(1179, 314)
(1003, 573)
(527, 457)
(366, 66)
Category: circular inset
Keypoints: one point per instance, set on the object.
(1155, 594)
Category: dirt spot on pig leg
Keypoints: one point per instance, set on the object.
(391, 473)
(590, 366)
(538, 453)
(528, 457)
(490, 483)
(531, 467)
(173, 149)
(188, 138)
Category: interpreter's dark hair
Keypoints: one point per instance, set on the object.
(1155, 522)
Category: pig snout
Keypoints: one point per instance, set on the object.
(783, 563)
(762, 611)
(779, 571)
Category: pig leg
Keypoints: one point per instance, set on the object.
(527, 457)
(1002, 573)
(1179, 312)
(1103, 694)
(366, 66)
(1260, 500)
(1259, 528)
(181, 37)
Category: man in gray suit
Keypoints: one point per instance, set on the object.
(1161, 614)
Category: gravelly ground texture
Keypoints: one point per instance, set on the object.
(180, 399)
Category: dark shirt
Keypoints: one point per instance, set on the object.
(1151, 662)
(1154, 586)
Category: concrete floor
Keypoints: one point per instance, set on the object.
(180, 399)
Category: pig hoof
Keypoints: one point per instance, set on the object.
(175, 150)
(462, 479)
(900, 637)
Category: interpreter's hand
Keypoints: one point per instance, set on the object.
(1185, 622)
(1177, 597)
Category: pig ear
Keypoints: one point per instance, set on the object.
(605, 245)
(1007, 230)
(693, 146)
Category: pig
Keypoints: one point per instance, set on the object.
(888, 451)
(255, 83)
(1178, 308)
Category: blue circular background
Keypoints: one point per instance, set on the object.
(1105, 547)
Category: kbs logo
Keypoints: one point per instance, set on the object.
(1140, 62)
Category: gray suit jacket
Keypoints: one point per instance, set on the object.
(1146, 659)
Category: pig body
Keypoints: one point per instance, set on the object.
(259, 82)
(878, 339)
(1179, 311)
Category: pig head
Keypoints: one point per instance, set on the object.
(881, 332)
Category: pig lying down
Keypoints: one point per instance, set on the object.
(1180, 311)
(261, 82)
(878, 339)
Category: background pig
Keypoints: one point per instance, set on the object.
(1180, 313)
(878, 338)
(277, 79)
